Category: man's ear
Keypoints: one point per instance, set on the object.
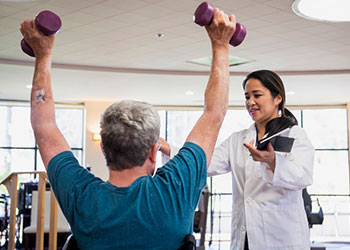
(152, 153)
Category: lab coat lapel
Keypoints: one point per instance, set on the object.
(251, 166)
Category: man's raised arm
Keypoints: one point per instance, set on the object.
(206, 130)
(48, 137)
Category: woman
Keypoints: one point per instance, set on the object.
(267, 209)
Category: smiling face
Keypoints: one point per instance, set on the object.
(260, 104)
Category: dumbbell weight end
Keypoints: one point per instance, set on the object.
(48, 23)
(239, 35)
(26, 48)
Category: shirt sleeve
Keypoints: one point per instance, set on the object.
(219, 164)
(68, 179)
(220, 161)
(293, 170)
(173, 151)
(186, 173)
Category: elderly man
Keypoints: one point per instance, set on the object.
(133, 209)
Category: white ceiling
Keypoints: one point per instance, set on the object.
(108, 50)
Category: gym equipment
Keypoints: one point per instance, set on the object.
(4, 221)
(48, 23)
(204, 15)
(314, 218)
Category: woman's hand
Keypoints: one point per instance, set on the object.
(267, 156)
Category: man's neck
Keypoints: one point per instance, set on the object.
(126, 177)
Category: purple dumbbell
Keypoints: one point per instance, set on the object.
(48, 23)
(204, 15)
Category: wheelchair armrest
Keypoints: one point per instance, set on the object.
(189, 243)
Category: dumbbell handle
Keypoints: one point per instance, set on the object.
(204, 15)
(47, 22)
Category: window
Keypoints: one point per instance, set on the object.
(179, 125)
(327, 130)
(18, 149)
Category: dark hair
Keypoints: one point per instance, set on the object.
(274, 83)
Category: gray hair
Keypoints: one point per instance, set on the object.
(128, 131)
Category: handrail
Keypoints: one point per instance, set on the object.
(11, 182)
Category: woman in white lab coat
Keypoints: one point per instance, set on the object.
(267, 209)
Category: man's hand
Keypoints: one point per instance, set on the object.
(40, 43)
(221, 29)
(267, 156)
(165, 147)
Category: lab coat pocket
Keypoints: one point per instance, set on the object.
(282, 225)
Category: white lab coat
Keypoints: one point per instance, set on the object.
(267, 206)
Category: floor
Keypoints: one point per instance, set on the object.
(328, 245)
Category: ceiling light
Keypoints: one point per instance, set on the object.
(28, 86)
(232, 61)
(323, 10)
(290, 93)
(159, 35)
(189, 92)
